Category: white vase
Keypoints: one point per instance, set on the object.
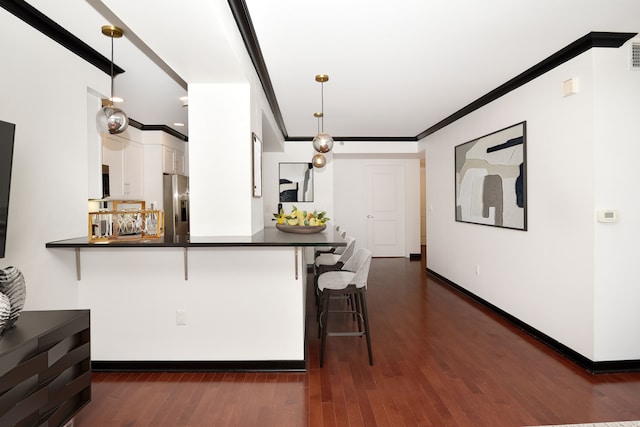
(13, 286)
(5, 310)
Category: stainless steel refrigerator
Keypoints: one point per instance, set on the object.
(175, 203)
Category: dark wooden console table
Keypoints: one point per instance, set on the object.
(45, 368)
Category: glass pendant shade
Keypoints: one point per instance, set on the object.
(111, 119)
(323, 142)
(318, 161)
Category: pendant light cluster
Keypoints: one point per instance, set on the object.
(323, 142)
(109, 118)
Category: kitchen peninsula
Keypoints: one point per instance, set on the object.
(199, 303)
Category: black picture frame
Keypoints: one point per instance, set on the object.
(491, 179)
(256, 144)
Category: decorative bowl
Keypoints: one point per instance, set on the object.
(301, 229)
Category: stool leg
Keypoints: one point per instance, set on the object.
(316, 292)
(357, 307)
(325, 298)
(353, 301)
(319, 312)
(365, 318)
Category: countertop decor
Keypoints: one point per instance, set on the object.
(301, 229)
(301, 222)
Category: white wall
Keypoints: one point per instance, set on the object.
(44, 92)
(617, 148)
(231, 312)
(220, 186)
(547, 276)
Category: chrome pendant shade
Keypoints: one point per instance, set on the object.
(112, 119)
(322, 142)
(109, 118)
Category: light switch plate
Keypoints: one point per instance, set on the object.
(569, 87)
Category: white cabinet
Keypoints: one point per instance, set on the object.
(126, 167)
(173, 161)
(161, 156)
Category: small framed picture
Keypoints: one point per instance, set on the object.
(257, 165)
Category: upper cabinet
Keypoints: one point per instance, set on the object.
(163, 154)
(125, 159)
(173, 161)
(137, 160)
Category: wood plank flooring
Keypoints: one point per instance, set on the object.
(439, 360)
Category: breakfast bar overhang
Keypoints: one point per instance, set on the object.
(203, 303)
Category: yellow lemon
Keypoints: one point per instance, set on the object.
(281, 220)
(292, 221)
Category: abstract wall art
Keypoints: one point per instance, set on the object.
(491, 179)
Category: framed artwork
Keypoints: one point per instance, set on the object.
(257, 165)
(296, 182)
(491, 179)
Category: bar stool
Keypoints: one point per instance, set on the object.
(351, 280)
(331, 249)
(331, 262)
(335, 261)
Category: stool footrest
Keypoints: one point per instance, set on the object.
(346, 334)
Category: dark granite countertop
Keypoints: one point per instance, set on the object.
(267, 237)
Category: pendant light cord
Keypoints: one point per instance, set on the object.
(322, 104)
(111, 71)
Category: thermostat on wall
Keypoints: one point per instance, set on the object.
(607, 215)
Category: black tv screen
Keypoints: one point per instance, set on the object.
(7, 132)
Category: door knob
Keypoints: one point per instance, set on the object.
(369, 216)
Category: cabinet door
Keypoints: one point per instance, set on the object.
(168, 160)
(133, 176)
(113, 156)
(180, 163)
(126, 167)
(173, 161)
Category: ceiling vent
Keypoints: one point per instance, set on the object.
(635, 55)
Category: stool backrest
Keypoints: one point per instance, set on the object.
(359, 263)
(340, 249)
(348, 250)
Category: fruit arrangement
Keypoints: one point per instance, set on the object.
(303, 218)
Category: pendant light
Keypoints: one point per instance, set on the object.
(318, 160)
(323, 142)
(109, 118)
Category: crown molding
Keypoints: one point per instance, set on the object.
(55, 32)
(164, 128)
(245, 26)
(591, 40)
(583, 44)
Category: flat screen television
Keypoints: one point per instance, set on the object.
(7, 133)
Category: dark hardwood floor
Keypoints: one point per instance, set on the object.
(439, 360)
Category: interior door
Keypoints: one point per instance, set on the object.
(385, 202)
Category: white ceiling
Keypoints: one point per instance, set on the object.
(396, 67)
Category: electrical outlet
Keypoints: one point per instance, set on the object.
(181, 317)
